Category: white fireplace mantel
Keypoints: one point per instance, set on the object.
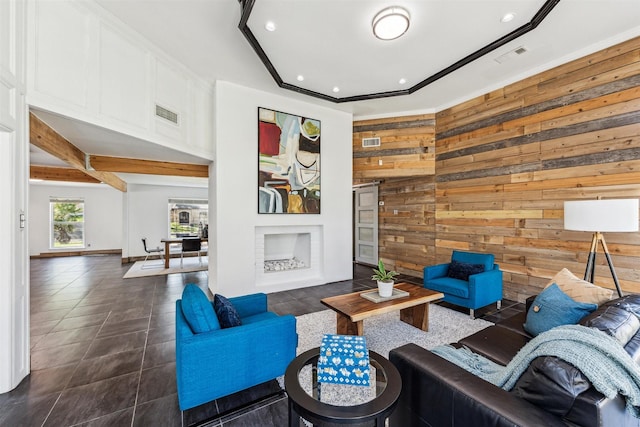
(274, 281)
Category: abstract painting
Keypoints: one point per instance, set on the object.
(289, 163)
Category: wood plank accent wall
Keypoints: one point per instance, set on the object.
(406, 147)
(406, 222)
(504, 164)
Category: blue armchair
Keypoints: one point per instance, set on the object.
(478, 290)
(219, 362)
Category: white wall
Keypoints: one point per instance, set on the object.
(85, 64)
(146, 214)
(233, 191)
(103, 215)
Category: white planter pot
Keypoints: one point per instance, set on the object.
(385, 289)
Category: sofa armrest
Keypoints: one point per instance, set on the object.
(489, 281)
(248, 305)
(435, 271)
(436, 392)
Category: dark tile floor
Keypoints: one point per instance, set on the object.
(103, 348)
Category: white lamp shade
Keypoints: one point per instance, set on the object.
(620, 215)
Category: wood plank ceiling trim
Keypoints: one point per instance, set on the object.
(150, 167)
(44, 137)
(50, 173)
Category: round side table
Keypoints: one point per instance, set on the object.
(308, 406)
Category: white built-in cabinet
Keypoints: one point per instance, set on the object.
(85, 64)
(14, 169)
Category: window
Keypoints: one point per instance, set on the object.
(67, 223)
(188, 217)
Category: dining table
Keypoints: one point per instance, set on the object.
(167, 245)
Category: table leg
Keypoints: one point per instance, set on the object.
(294, 418)
(166, 254)
(417, 316)
(344, 325)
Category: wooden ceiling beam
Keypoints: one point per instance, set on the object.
(44, 137)
(150, 167)
(50, 173)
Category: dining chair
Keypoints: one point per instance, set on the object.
(157, 250)
(192, 244)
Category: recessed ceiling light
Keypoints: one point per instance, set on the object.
(402, 81)
(300, 77)
(270, 26)
(391, 23)
(508, 17)
(336, 89)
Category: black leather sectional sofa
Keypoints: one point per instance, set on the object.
(551, 392)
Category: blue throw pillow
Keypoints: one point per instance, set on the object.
(552, 308)
(198, 311)
(462, 270)
(227, 314)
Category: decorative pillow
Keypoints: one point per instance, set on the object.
(198, 311)
(580, 290)
(226, 312)
(552, 308)
(462, 270)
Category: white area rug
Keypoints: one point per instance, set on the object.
(387, 331)
(383, 333)
(155, 267)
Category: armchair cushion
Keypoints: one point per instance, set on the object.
(474, 258)
(227, 314)
(198, 311)
(552, 308)
(462, 270)
(451, 286)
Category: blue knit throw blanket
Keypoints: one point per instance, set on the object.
(599, 356)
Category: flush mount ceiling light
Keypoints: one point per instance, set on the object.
(391, 23)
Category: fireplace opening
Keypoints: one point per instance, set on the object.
(287, 251)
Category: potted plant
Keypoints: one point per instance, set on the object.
(385, 279)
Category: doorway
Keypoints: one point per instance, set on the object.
(365, 225)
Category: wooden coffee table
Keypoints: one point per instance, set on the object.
(352, 309)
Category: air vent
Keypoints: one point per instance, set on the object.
(511, 54)
(166, 114)
(371, 142)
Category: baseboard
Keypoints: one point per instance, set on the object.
(132, 259)
(76, 253)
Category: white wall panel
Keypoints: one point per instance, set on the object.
(124, 79)
(87, 65)
(200, 131)
(172, 92)
(63, 50)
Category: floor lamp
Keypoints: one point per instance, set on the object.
(598, 216)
